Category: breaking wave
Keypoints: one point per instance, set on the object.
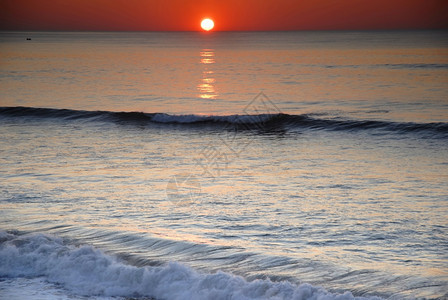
(88, 271)
(262, 122)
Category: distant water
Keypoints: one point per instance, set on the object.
(283, 165)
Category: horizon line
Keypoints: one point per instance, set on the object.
(225, 31)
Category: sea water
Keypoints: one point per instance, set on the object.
(226, 165)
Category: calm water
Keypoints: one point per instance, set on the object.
(224, 165)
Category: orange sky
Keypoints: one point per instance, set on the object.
(228, 14)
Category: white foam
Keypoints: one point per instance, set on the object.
(88, 271)
(38, 288)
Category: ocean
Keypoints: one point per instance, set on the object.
(224, 165)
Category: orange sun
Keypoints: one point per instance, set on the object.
(207, 24)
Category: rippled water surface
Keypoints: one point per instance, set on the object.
(334, 175)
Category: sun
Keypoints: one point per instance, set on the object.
(207, 24)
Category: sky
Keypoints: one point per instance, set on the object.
(229, 15)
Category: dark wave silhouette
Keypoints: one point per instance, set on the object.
(268, 122)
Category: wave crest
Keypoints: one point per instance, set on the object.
(260, 122)
(87, 271)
